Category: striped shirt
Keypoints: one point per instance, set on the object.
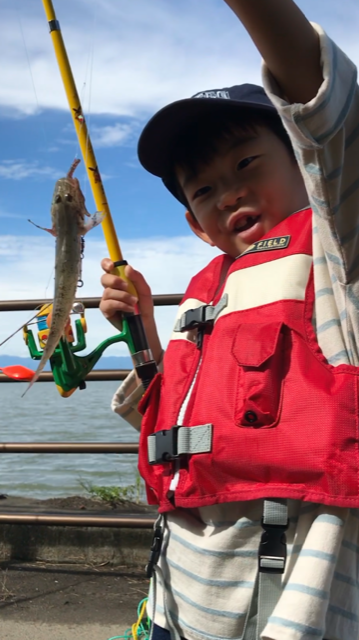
(209, 561)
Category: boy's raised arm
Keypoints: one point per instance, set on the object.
(287, 42)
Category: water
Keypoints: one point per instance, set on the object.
(44, 416)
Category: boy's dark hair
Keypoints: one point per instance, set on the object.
(201, 141)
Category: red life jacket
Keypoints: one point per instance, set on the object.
(284, 421)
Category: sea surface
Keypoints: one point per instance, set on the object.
(42, 415)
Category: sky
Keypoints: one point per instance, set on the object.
(129, 58)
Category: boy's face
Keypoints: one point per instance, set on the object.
(251, 185)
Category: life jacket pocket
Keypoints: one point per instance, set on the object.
(258, 349)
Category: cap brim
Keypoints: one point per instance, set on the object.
(157, 138)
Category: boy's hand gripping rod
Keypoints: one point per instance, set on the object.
(145, 366)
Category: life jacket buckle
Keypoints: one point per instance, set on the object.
(195, 318)
(155, 550)
(200, 317)
(165, 445)
(272, 553)
(169, 444)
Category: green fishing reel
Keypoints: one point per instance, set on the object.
(70, 370)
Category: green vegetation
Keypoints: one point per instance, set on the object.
(114, 495)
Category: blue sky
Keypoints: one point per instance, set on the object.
(128, 59)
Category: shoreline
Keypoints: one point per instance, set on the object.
(74, 544)
(74, 502)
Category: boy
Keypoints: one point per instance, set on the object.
(262, 369)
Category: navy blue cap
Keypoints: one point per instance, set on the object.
(155, 146)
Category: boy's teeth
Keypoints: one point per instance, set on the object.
(244, 222)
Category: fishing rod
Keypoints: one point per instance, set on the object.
(133, 332)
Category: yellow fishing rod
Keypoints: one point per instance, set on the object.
(134, 333)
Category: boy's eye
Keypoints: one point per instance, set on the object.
(200, 192)
(245, 162)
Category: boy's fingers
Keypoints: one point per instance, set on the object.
(107, 265)
(111, 307)
(114, 281)
(115, 301)
(110, 281)
(138, 280)
(116, 297)
(119, 295)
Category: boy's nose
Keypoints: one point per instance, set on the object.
(230, 197)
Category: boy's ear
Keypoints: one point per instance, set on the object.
(197, 229)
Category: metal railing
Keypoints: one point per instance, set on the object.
(141, 521)
(93, 376)
(167, 299)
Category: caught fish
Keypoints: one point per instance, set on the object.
(68, 213)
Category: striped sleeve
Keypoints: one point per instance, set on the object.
(126, 399)
(325, 137)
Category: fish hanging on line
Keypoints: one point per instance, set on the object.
(68, 213)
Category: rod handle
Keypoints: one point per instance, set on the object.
(119, 270)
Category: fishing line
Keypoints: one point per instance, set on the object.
(48, 283)
(89, 70)
(23, 325)
(30, 71)
(28, 322)
(42, 129)
(88, 77)
(140, 630)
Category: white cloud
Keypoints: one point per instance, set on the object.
(167, 263)
(20, 169)
(111, 136)
(144, 55)
(8, 214)
(134, 57)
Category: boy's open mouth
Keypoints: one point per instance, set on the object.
(245, 223)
